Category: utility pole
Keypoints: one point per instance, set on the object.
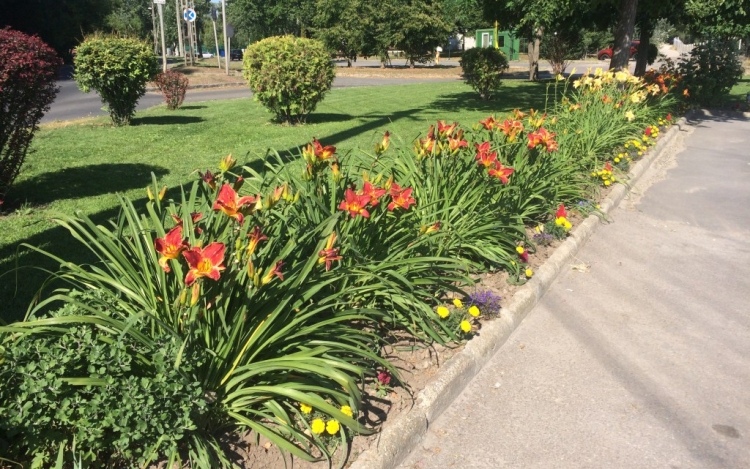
(153, 23)
(226, 43)
(163, 42)
(177, 9)
(214, 17)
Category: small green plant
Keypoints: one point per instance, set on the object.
(289, 75)
(118, 69)
(174, 86)
(121, 402)
(710, 72)
(483, 68)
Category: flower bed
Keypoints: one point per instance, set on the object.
(282, 289)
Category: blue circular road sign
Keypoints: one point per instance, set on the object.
(189, 15)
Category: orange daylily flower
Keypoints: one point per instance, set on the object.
(427, 229)
(170, 246)
(275, 270)
(401, 197)
(487, 160)
(195, 217)
(445, 130)
(372, 192)
(355, 204)
(255, 238)
(501, 172)
(231, 204)
(543, 137)
(321, 152)
(489, 123)
(206, 262)
(511, 129)
(329, 254)
(209, 179)
(518, 115)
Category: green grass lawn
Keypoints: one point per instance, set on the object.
(740, 90)
(82, 166)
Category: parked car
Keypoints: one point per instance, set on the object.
(606, 54)
(208, 55)
(236, 54)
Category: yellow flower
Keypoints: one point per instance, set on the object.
(346, 410)
(519, 249)
(567, 225)
(443, 312)
(617, 160)
(474, 311)
(560, 221)
(457, 303)
(466, 326)
(318, 426)
(629, 116)
(606, 182)
(332, 427)
(306, 409)
(529, 273)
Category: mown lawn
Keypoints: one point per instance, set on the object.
(83, 165)
(740, 90)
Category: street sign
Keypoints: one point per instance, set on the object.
(230, 30)
(214, 14)
(189, 15)
(160, 2)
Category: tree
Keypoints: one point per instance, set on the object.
(463, 15)
(345, 26)
(723, 18)
(624, 35)
(258, 19)
(421, 27)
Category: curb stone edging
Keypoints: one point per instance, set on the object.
(398, 439)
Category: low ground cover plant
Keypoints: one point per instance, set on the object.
(116, 68)
(28, 69)
(286, 279)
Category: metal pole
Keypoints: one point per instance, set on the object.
(153, 23)
(163, 42)
(177, 9)
(226, 44)
(216, 41)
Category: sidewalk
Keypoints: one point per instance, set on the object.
(641, 360)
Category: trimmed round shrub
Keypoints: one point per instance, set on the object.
(289, 75)
(483, 68)
(118, 69)
(28, 68)
(174, 86)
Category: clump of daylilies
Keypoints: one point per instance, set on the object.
(448, 139)
(460, 318)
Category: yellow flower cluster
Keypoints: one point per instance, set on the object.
(636, 145)
(561, 221)
(599, 78)
(318, 425)
(623, 157)
(465, 324)
(605, 174)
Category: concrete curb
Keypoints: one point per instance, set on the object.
(401, 436)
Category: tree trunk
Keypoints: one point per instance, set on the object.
(624, 35)
(348, 62)
(534, 43)
(642, 61)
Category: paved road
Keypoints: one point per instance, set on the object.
(641, 362)
(71, 103)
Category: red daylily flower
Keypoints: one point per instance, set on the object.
(275, 270)
(434, 228)
(401, 197)
(231, 204)
(372, 192)
(445, 130)
(206, 262)
(648, 131)
(170, 246)
(542, 137)
(511, 128)
(195, 217)
(489, 123)
(329, 254)
(501, 172)
(355, 204)
(321, 152)
(455, 143)
(255, 238)
(561, 213)
(487, 160)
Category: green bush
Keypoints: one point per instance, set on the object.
(118, 69)
(710, 72)
(120, 401)
(289, 75)
(483, 68)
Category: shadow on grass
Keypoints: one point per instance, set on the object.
(522, 98)
(192, 107)
(84, 181)
(166, 120)
(324, 118)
